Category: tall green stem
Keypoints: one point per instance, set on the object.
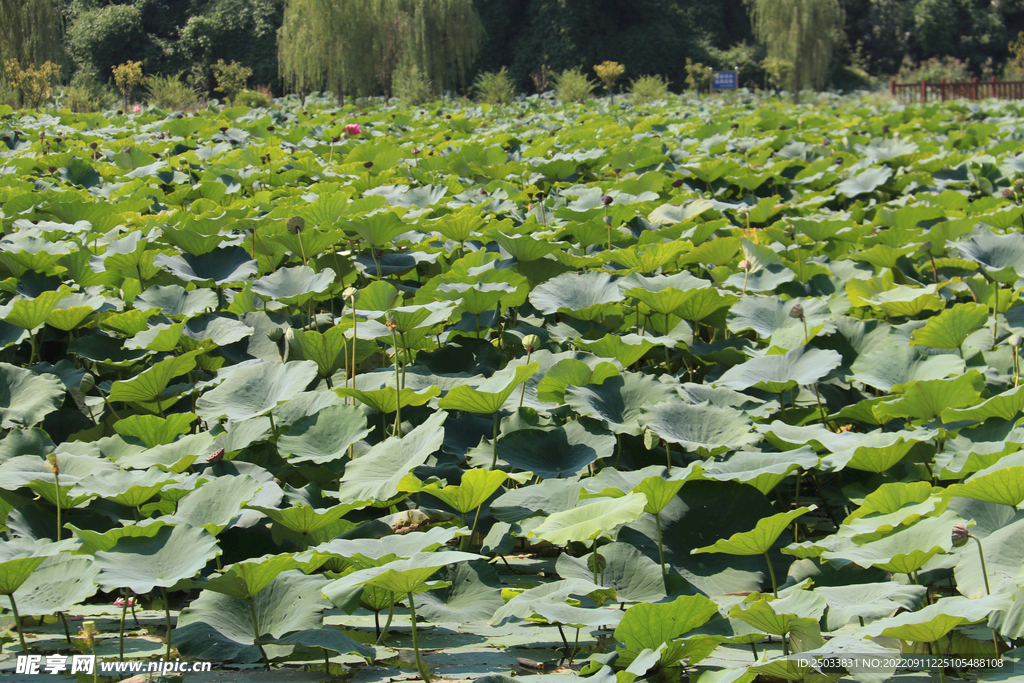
(661, 547)
(398, 403)
(256, 633)
(988, 590)
(771, 572)
(124, 612)
(420, 666)
(167, 616)
(17, 624)
(494, 444)
(387, 624)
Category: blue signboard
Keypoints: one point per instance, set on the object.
(724, 80)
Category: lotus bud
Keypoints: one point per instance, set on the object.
(1007, 193)
(1018, 185)
(415, 150)
(216, 456)
(677, 183)
(960, 535)
(797, 312)
(350, 293)
(88, 633)
(391, 320)
(93, 145)
(606, 200)
(608, 221)
(270, 129)
(275, 335)
(483, 192)
(51, 462)
(335, 139)
(87, 382)
(368, 164)
(296, 224)
(839, 161)
(1013, 340)
(744, 264)
(530, 342)
(51, 169)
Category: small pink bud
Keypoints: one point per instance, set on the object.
(960, 535)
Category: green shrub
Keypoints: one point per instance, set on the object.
(170, 92)
(252, 99)
(230, 78)
(572, 85)
(411, 87)
(934, 70)
(648, 88)
(494, 87)
(698, 76)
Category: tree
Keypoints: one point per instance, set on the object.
(802, 32)
(31, 31)
(355, 46)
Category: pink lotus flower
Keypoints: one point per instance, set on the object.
(353, 129)
(136, 109)
(120, 602)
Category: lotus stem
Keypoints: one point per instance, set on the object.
(522, 392)
(562, 633)
(273, 427)
(327, 661)
(120, 639)
(64, 622)
(17, 623)
(575, 647)
(424, 673)
(494, 444)
(405, 361)
(387, 624)
(668, 457)
(771, 572)
(995, 313)
(256, 634)
(661, 546)
(981, 557)
(476, 520)
(302, 248)
(398, 402)
(167, 616)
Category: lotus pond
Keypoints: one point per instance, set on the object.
(675, 392)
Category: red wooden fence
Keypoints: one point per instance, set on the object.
(971, 90)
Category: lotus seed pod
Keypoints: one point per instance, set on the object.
(216, 456)
(51, 462)
(391, 320)
(351, 293)
(606, 200)
(296, 224)
(744, 264)
(1018, 185)
(960, 535)
(796, 312)
(530, 342)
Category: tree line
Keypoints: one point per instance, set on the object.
(370, 47)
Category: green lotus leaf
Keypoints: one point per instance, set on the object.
(632, 575)
(904, 551)
(19, 557)
(57, 585)
(216, 504)
(1005, 406)
(781, 615)
(575, 292)
(1001, 483)
(461, 225)
(217, 328)
(763, 471)
(522, 606)
(864, 182)
(131, 488)
(660, 490)
(931, 398)
(1002, 256)
(931, 623)
(1004, 555)
(255, 390)
(474, 594)
(473, 491)
(220, 266)
(892, 367)
(950, 328)
(175, 302)
(72, 310)
(29, 314)
(876, 451)
(305, 519)
(890, 506)
(142, 563)
(552, 453)
(159, 338)
(175, 457)
(377, 473)
(700, 426)
(325, 436)
(626, 348)
(329, 350)
(766, 273)
(219, 625)
(770, 317)
(153, 430)
(387, 399)
(569, 371)
(758, 540)
(400, 576)
(328, 639)
(247, 578)
(662, 293)
(868, 601)
(375, 552)
(91, 542)
(489, 396)
(294, 285)
(590, 520)
(409, 318)
(25, 397)
(379, 229)
(35, 472)
(777, 374)
(649, 626)
(151, 383)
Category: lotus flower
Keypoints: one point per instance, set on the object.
(136, 109)
(353, 129)
(960, 535)
(121, 603)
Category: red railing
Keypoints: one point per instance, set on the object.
(926, 91)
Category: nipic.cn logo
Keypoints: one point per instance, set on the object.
(86, 664)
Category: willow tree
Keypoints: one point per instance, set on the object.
(353, 46)
(802, 32)
(30, 31)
